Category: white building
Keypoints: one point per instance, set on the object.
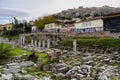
(52, 27)
(92, 25)
(33, 28)
(76, 19)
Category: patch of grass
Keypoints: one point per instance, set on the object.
(1, 71)
(12, 37)
(101, 42)
(43, 56)
(114, 79)
(5, 51)
(36, 71)
(17, 51)
(67, 59)
(6, 45)
(83, 38)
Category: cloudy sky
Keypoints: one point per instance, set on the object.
(31, 9)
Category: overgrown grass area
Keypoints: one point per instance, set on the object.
(114, 79)
(35, 71)
(17, 51)
(43, 56)
(12, 37)
(6, 45)
(84, 37)
(101, 42)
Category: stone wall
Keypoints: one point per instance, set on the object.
(66, 35)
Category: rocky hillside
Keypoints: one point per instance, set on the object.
(86, 12)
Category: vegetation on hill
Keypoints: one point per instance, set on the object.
(84, 12)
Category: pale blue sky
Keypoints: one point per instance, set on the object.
(30, 9)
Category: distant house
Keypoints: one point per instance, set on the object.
(76, 19)
(68, 26)
(6, 26)
(52, 27)
(34, 29)
(31, 22)
(91, 25)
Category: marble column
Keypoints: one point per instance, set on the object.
(23, 39)
(20, 40)
(32, 43)
(43, 44)
(48, 43)
(35, 43)
(74, 45)
(39, 44)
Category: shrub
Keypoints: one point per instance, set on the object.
(87, 42)
(5, 51)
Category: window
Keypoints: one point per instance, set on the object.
(51, 26)
(90, 23)
(86, 23)
(9, 27)
(47, 26)
(83, 24)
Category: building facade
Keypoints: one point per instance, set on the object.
(68, 26)
(52, 27)
(109, 23)
(6, 26)
(92, 25)
(112, 22)
(33, 29)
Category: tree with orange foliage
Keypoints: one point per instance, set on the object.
(42, 21)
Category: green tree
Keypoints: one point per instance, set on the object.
(15, 21)
(27, 27)
(96, 15)
(17, 25)
(87, 15)
(39, 23)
